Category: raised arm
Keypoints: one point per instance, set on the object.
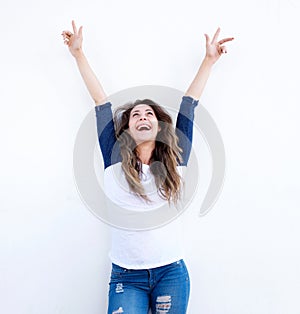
(74, 42)
(214, 50)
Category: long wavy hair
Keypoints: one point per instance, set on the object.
(164, 159)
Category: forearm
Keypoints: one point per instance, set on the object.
(90, 79)
(197, 86)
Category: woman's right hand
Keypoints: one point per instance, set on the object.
(73, 40)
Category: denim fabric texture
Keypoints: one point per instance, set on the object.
(164, 289)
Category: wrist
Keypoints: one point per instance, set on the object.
(208, 61)
(78, 53)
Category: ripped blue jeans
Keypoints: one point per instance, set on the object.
(164, 289)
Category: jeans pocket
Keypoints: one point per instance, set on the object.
(118, 271)
(181, 267)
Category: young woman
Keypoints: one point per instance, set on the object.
(148, 270)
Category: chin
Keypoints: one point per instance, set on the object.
(143, 139)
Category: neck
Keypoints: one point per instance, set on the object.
(144, 151)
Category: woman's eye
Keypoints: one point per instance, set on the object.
(150, 113)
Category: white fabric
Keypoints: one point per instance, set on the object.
(147, 248)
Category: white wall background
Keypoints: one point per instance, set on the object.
(243, 256)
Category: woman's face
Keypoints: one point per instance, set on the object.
(143, 124)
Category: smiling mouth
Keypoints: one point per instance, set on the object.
(144, 127)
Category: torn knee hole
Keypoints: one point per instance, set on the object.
(163, 304)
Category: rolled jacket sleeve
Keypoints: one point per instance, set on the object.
(106, 135)
(184, 126)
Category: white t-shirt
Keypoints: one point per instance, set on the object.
(146, 248)
(142, 249)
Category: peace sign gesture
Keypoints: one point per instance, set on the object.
(73, 40)
(214, 48)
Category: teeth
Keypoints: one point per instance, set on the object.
(144, 127)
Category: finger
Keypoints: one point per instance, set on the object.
(74, 27)
(215, 38)
(222, 41)
(207, 39)
(223, 49)
(80, 31)
(66, 34)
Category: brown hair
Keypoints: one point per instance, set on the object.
(165, 156)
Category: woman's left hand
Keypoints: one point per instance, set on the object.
(214, 48)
